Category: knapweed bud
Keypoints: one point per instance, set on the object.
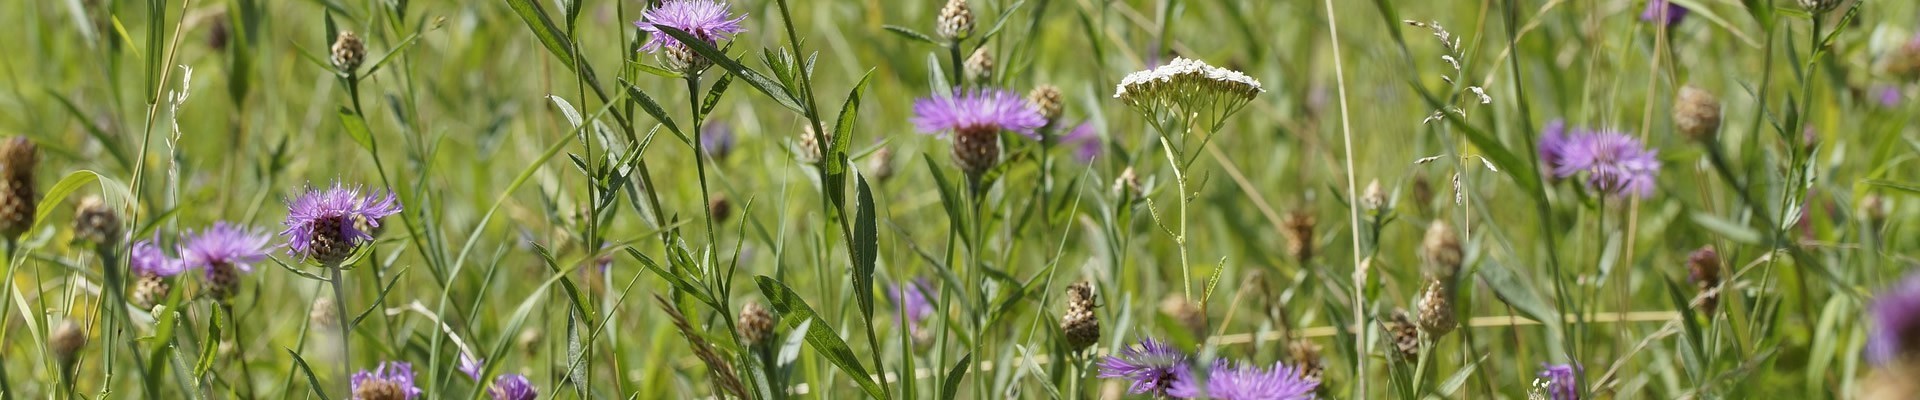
(1422, 193)
(684, 60)
(720, 208)
(1186, 314)
(1875, 208)
(218, 34)
(1127, 184)
(1306, 355)
(880, 164)
(65, 340)
(976, 150)
(1375, 198)
(1403, 335)
(1696, 114)
(980, 65)
(1817, 7)
(1436, 309)
(324, 314)
(1298, 227)
(94, 222)
(810, 146)
(348, 52)
(755, 325)
(956, 20)
(1047, 100)
(1903, 61)
(1080, 325)
(1703, 270)
(1441, 249)
(18, 198)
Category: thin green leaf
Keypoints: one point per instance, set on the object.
(312, 381)
(952, 386)
(356, 128)
(778, 92)
(866, 246)
(794, 310)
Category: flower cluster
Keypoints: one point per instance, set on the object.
(1161, 370)
(914, 306)
(389, 381)
(1895, 316)
(220, 252)
(1615, 164)
(1559, 382)
(975, 118)
(1188, 87)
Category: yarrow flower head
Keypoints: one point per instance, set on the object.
(1664, 12)
(146, 258)
(706, 20)
(1616, 164)
(1895, 330)
(329, 224)
(1187, 87)
(512, 387)
(1084, 141)
(1234, 381)
(1154, 367)
(1559, 381)
(389, 381)
(975, 118)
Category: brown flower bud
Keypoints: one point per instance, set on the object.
(348, 52)
(755, 325)
(94, 222)
(1186, 314)
(720, 208)
(1375, 198)
(1127, 184)
(1405, 336)
(1306, 355)
(65, 340)
(1696, 114)
(1436, 309)
(1441, 249)
(1047, 100)
(1703, 270)
(979, 66)
(880, 164)
(810, 147)
(956, 20)
(1080, 325)
(18, 198)
(1298, 227)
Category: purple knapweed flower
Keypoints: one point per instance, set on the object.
(1887, 95)
(717, 139)
(1234, 381)
(1663, 12)
(977, 111)
(1084, 141)
(389, 381)
(1895, 316)
(1154, 367)
(911, 298)
(146, 258)
(328, 224)
(471, 366)
(1615, 164)
(1559, 381)
(708, 20)
(512, 387)
(223, 246)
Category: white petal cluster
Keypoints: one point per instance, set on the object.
(1186, 74)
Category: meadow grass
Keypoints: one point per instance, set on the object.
(958, 199)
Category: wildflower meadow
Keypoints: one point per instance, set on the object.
(942, 199)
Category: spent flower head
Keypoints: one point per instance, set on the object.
(329, 224)
(1155, 368)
